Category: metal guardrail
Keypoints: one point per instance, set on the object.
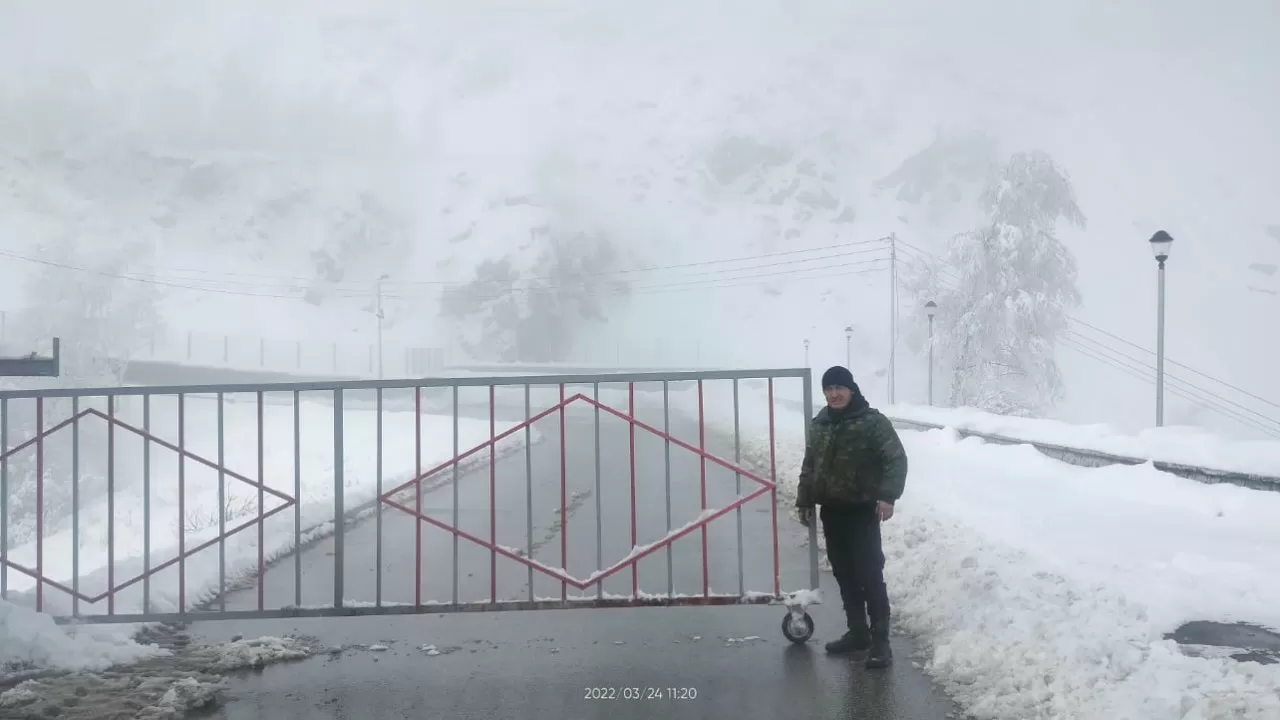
(1098, 458)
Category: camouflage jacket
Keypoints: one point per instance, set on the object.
(856, 458)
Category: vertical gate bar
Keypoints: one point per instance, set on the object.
(40, 508)
(773, 494)
(702, 462)
(182, 503)
(631, 432)
(146, 503)
(111, 505)
(378, 505)
(493, 501)
(417, 497)
(222, 505)
(262, 483)
(737, 484)
(814, 573)
(595, 395)
(4, 499)
(564, 501)
(666, 431)
(75, 509)
(528, 484)
(339, 501)
(297, 498)
(454, 519)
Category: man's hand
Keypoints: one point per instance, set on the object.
(805, 515)
(884, 510)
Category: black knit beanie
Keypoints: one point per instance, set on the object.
(839, 376)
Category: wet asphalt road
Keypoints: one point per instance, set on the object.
(710, 662)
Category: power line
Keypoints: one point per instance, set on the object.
(148, 281)
(753, 278)
(1174, 362)
(1171, 378)
(1207, 403)
(1174, 381)
(606, 273)
(161, 281)
(1204, 402)
(942, 265)
(750, 280)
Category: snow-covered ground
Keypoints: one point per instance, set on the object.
(1184, 445)
(1042, 589)
(1036, 588)
(36, 641)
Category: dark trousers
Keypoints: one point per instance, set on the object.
(857, 561)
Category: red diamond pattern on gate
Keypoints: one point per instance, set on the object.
(182, 452)
(638, 553)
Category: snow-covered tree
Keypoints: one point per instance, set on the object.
(1005, 294)
(944, 177)
(88, 300)
(503, 314)
(84, 298)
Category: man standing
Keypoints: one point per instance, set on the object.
(856, 468)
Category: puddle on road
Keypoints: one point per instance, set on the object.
(1242, 642)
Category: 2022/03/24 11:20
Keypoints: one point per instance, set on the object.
(639, 693)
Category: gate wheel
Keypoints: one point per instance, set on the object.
(797, 630)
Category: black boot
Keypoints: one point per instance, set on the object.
(881, 655)
(856, 640)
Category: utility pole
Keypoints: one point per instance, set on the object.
(931, 309)
(893, 311)
(1161, 243)
(380, 317)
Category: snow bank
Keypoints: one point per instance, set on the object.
(1041, 589)
(199, 518)
(28, 638)
(1183, 445)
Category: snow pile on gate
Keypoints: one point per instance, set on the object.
(31, 639)
(1042, 589)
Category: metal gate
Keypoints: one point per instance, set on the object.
(184, 503)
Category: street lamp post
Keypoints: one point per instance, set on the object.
(848, 352)
(1161, 242)
(381, 315)
(931, 309)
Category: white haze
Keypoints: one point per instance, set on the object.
(179, 130)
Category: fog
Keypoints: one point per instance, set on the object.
(569, 180)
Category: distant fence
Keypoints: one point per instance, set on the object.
(1097, 458)
(286, 354)
(250, 352)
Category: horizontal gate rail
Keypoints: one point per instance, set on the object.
(412, 383)
(358, 463)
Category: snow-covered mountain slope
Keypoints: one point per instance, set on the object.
(283, 163)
